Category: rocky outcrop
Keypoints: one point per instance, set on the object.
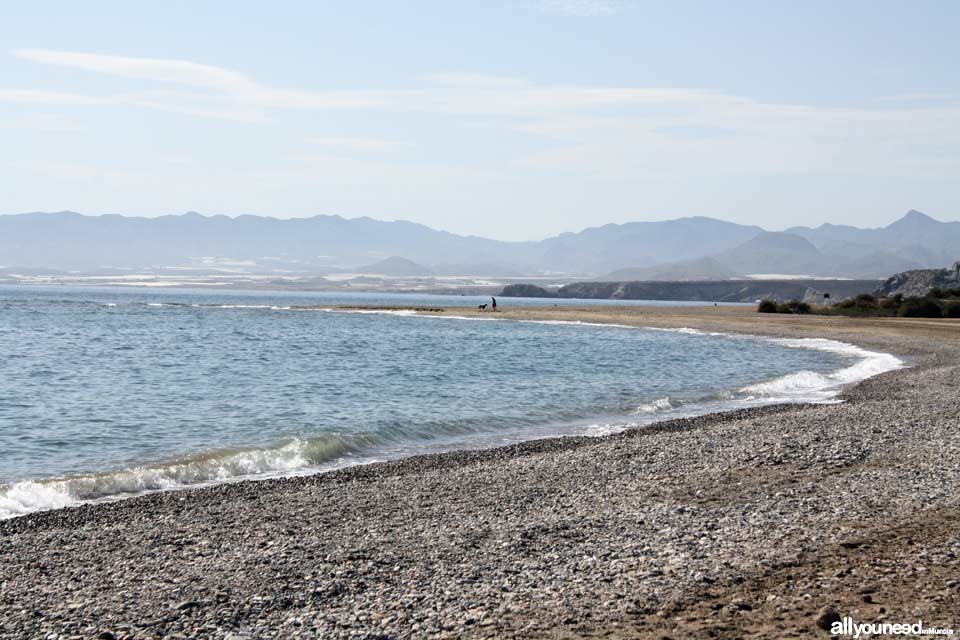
(526, 291)
(718, 290)
(919, 282)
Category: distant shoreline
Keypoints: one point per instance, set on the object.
(722, 291)
(719, 523)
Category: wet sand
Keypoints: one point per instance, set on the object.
(741, 524)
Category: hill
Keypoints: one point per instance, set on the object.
(694, 248)
(396, 266)
(913, 242)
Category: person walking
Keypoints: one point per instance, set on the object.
(494, 305)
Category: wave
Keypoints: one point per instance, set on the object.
(244, 306)
(812, 386)
(383, 312)
(660, 404)
(218, 306)
(578, 323)
(606, 429)
(328, 451)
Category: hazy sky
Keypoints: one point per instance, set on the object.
(513, 119)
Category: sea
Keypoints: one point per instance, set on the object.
(111, 392)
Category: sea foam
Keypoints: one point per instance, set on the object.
(812, 386)
(220, 466)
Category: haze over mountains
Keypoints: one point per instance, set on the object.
(683, 249)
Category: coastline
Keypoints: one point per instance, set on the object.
(793, 386)
(631, 534)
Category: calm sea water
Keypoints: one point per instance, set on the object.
(110, 392)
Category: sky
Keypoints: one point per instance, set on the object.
(510, 119)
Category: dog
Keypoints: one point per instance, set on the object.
(482, 307)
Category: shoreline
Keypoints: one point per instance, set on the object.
(824, 388)
(670, 515)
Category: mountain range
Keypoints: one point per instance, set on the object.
(693, 248)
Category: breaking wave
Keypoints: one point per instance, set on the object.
(660, 404)
(328, 452)
(814, 387)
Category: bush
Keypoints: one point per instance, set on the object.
(893, 302)
(862, 305)
(843, 304)
(920, 308)
(767, 306)
(794, 306)
(952, 309)
(938, 292)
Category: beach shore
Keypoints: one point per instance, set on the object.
(733, 525)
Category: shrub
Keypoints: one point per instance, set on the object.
(952, 309)
(794, 306)
(892, 303)
(844, 307)
(865, 301)
(941, 293)
(767, 306)
(920, 308)
(862, 305)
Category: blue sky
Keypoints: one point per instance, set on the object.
(513, 119)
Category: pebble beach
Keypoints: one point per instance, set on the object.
(751, 523)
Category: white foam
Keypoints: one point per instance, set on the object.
(216, 306)
(29, 496)
(599, 430)
(437, 316)
(248, 306)
(690, 332)
(382, 312)
(580, 323)
(812, 386)
(660, 404)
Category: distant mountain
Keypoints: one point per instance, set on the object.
(490, 269)
(913, 242)
(72, 241)
(768, 253)
(695, 248)
(402, 267)
(642, 244)
(774, 253)
(396, 266)
(699, 269)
